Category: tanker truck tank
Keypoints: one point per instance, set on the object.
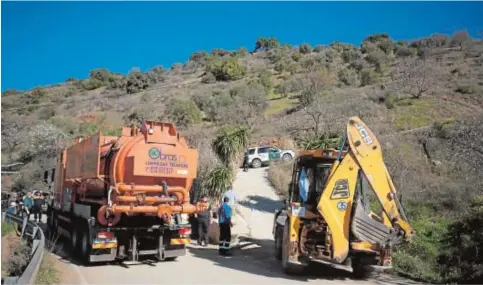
(126, 186)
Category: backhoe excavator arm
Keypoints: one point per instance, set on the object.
(366, 150)
(338, 199)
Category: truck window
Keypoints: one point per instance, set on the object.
(251, 151)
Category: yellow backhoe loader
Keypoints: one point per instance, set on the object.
(327, 216)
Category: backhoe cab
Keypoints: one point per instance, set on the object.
(327, 217)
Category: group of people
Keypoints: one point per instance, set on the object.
(30, 203)
(224, 214)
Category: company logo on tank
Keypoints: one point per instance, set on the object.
(163, 159)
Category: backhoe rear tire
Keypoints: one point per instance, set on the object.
(289, 268)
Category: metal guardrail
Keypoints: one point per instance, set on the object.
(32, 231)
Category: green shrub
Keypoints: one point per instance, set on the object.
(7, 227)
(418, 259)
(386, 45)
(208, 78)
(305, 48)
(282, 89)
(351, 55)
(405, 51)
(467, 88)
(242, 51)
(462, 258)
(319, 48)
(91, 84)
(184, 112)
(176, 67)
(265, 79)
(103, 75)
(359, 64)
(369, 76)
(348, 77)
(275, 55)
(227, 69)
(137, 81)
(296, 56)
(198, 56)
(281, 65)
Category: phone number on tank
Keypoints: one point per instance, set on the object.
(160, 169)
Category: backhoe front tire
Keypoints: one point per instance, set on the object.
(289, 268)
(359, 269)
(278, 243)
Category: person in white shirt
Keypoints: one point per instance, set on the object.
(231, 195)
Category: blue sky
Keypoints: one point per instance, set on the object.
(48, 42)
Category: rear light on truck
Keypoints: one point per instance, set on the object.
(184, 232)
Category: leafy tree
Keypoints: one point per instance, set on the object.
(266, 44)
(184, 112)
(351, 55)
(368, 76)
(305, 48)
(138, 81)
(101, 74)
(227, 69)
(417, 76)
(460, 38)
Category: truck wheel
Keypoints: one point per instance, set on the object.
(359, 270)
(74, 240)
(256, 163)
(288, 268)
(278, 243)
(52, 224)
(85, 246)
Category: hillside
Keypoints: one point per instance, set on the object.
(422, 98)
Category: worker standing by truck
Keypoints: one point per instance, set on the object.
(204, 221)
(224, 215)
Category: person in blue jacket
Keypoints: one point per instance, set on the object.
(224, 218)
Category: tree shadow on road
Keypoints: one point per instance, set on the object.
(255, 256)
(260, 203)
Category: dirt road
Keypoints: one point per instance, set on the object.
(252, 262)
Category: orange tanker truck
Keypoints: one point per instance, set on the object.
(125, 197)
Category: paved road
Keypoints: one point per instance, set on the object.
(252, 263)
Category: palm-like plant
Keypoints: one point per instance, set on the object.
(217, 181)
(228, 146)
(230, 143)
